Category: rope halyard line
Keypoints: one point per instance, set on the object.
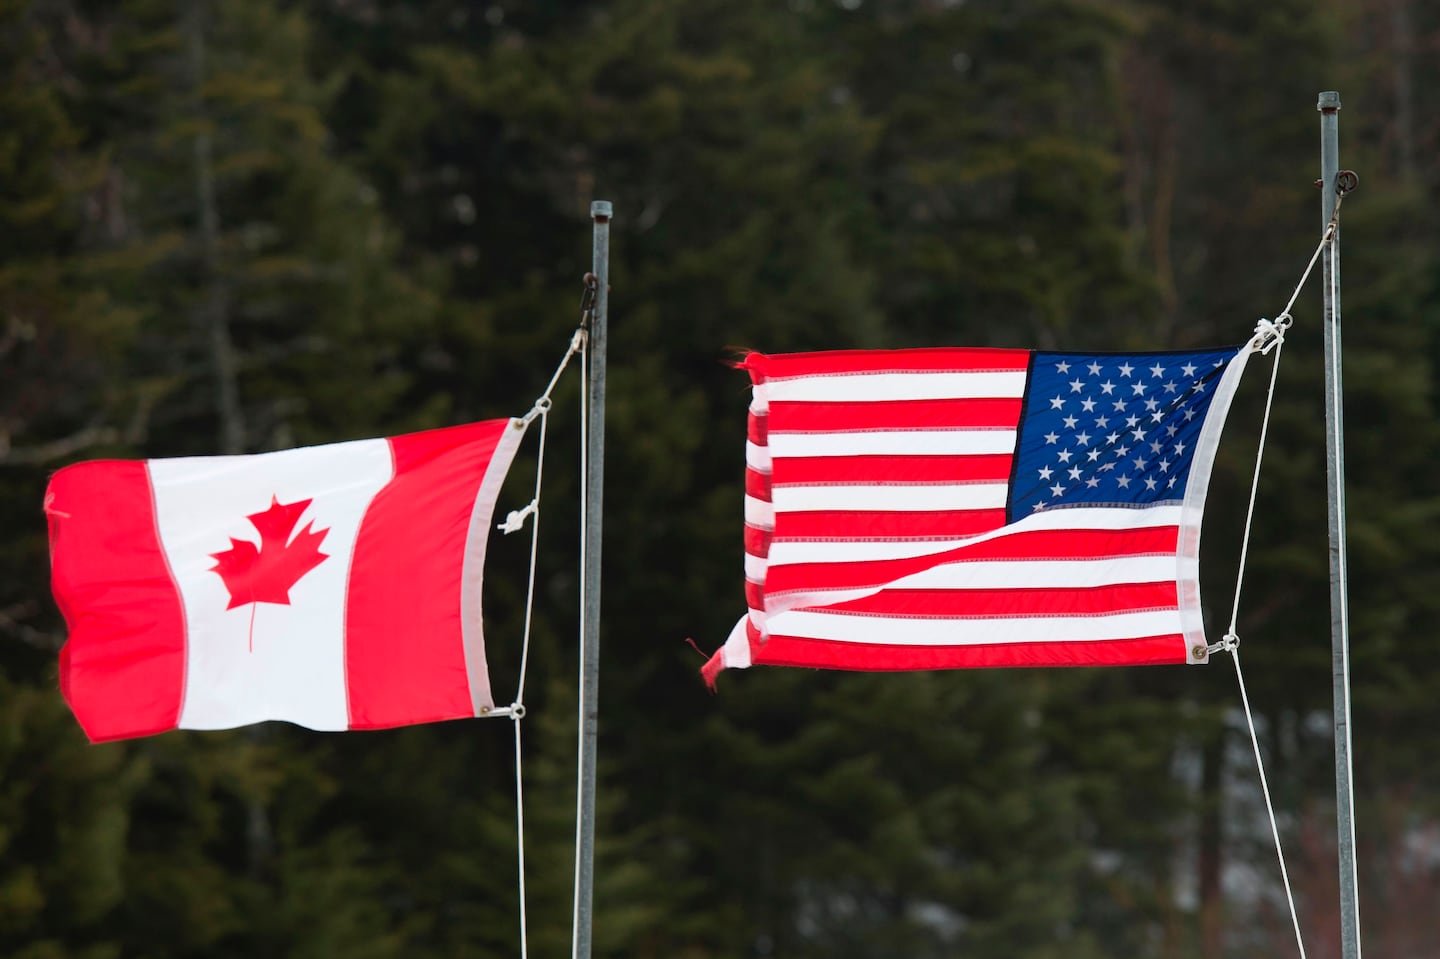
(513, 522)
(1269, 335)
(580, 686)
(1232, 643)
(518, 712)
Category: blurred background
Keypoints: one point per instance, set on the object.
(243, 225)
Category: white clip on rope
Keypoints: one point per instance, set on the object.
(515, 521)
(541, 407)
(1270, 334)
(1229, 642)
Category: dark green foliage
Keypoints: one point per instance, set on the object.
(250, 224)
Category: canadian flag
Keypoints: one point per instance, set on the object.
(335, 587)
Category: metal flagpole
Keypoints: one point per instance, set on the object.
(1330, 185)
(600, 212)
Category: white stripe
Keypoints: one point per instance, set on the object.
(891, 497)
(854, 387)
(472, 572)
(755, 568)
(296, 669)
(736, 651)
(968, 442)
(759, 513)
(757, 457)
(1187, 563)
(1002, 574)
(784, 551)
(906, 631)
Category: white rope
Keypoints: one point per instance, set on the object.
(518, 713)
(1269, 335)
(580, 686)
(1232, 643)
(516, 710)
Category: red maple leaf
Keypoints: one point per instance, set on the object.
(265, 574)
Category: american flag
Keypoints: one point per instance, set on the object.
(940, 508)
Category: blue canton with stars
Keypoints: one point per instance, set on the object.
(1111, 429)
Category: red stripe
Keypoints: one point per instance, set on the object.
(826, 654)
(1034, 545)
(122, 669)
(757, 484)
(847, 417)
(757, 540)
(811, 470)
(405, 662)
(965, 603)
(757, 430)
(956, 359)
(881, 524)
(754, 595)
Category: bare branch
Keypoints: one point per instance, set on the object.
(11, 624)
(56, 449)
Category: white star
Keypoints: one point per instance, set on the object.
(1179, 449)
(1119, 406)
(1125, 369)
(1139, 463)
(1037, 507)
(1070, 422)
(1123, 482)
(1199, 386)
(1088, 405)
(1107, 387)
(1157, 417)
(1094, 368)
(1082, 439)
(1076, 386)
(1093, 455)
(1122, 451)
(1171, 484)
(1157, 370)
(1132, 421)
(1064, 456)
(1062, 367)
(1045, 472)
(1050, 438)
(1189, 415)
(1170, 387)
(1139, 388)
(1171, 430)
(1155, 446)
(1056, 490)
(1057, 404)
(1106, 467)
(1164, 466)
(1138, 434)
(1149, 483)
(1074, 472)
(1111, 438)
(1152, 403)
(1092, 482)
(1188, 369)
(1102, 421)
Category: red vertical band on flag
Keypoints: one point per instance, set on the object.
(122, 669)
(405, 659)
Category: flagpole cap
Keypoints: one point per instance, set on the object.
(1329, 101)
(600, 210)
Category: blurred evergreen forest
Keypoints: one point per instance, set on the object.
(243, 225)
